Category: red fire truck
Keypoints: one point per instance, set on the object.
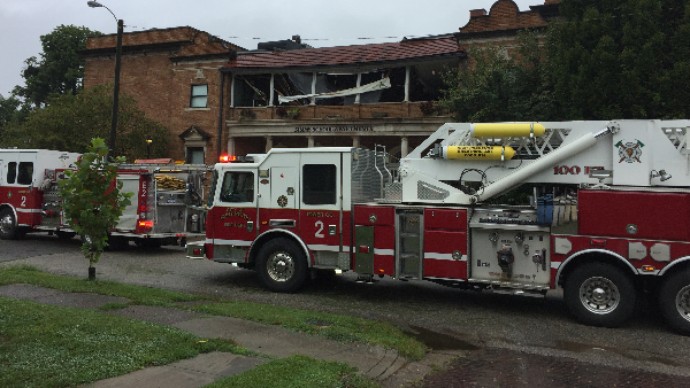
(166, 205)
(27, 199)
(602, 210)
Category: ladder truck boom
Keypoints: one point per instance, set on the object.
(546, 162)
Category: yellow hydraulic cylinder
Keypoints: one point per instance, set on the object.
(483, 130)
(478, 152)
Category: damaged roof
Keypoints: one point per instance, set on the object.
(411, 50)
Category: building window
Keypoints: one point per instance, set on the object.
(199, 97)
(195, 155)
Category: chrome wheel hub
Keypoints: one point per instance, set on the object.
(6, 224)
(281, 267)
(599, 295)
(683, 302)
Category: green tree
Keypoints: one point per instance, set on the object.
(92, 200)
(9, 111)
(60, 68)
(69, 121)
(495, 87)
(621, 59)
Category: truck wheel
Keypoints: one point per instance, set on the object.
(117, 243)
(148, 243)
(599, 294)
(281, 265)
(62, 235)
(8, 225)
(674, 301)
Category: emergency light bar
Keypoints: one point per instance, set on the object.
(225, 158)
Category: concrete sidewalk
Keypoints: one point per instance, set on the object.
(382, 365)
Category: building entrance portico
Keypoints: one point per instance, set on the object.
(398, 138)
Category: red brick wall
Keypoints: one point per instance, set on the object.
(499, 27)
(160, 81)
(504, 15)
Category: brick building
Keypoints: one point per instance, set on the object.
(286, 94)
(173, 75)
(500, 26)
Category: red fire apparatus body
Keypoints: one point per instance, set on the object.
(608, 214)
(165, 207)
(25, 201)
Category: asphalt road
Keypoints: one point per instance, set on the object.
(514, 336)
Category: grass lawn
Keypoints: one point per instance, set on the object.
(337, 327)
(138, 295)
(333, 326)
(297, 372)
(49, 346)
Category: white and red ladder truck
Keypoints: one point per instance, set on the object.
(166, 206)
(608, 215)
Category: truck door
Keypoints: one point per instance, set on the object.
(321, 223)
(28, 198)
(279, 190)
(234, 215)
(283, 183)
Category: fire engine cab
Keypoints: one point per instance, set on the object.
(602, 210)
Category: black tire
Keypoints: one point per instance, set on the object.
(62, 235)
(8, 225)
(324, 277)
(674, 301)
(117, 243)
(148, 243)
(600, 294)
(281, 265)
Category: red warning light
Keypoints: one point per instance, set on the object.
(225, 158)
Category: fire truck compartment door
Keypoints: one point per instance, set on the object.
(364, 249)
(128, 220)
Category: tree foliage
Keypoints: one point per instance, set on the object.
(9, 112)
(621, 59)
(60, 68)
(70, 121)
(92, 200)
(496, 87)
(603, 59)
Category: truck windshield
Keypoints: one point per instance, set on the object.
(238, 186)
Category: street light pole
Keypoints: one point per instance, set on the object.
(116, 86)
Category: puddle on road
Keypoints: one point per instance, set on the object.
(439, 341)
(632, 354)
(493, 367)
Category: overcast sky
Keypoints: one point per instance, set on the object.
(243, 22)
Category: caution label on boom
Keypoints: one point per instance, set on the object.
(478, 153)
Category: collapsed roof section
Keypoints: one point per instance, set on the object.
(409, 70)
(355, 56)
